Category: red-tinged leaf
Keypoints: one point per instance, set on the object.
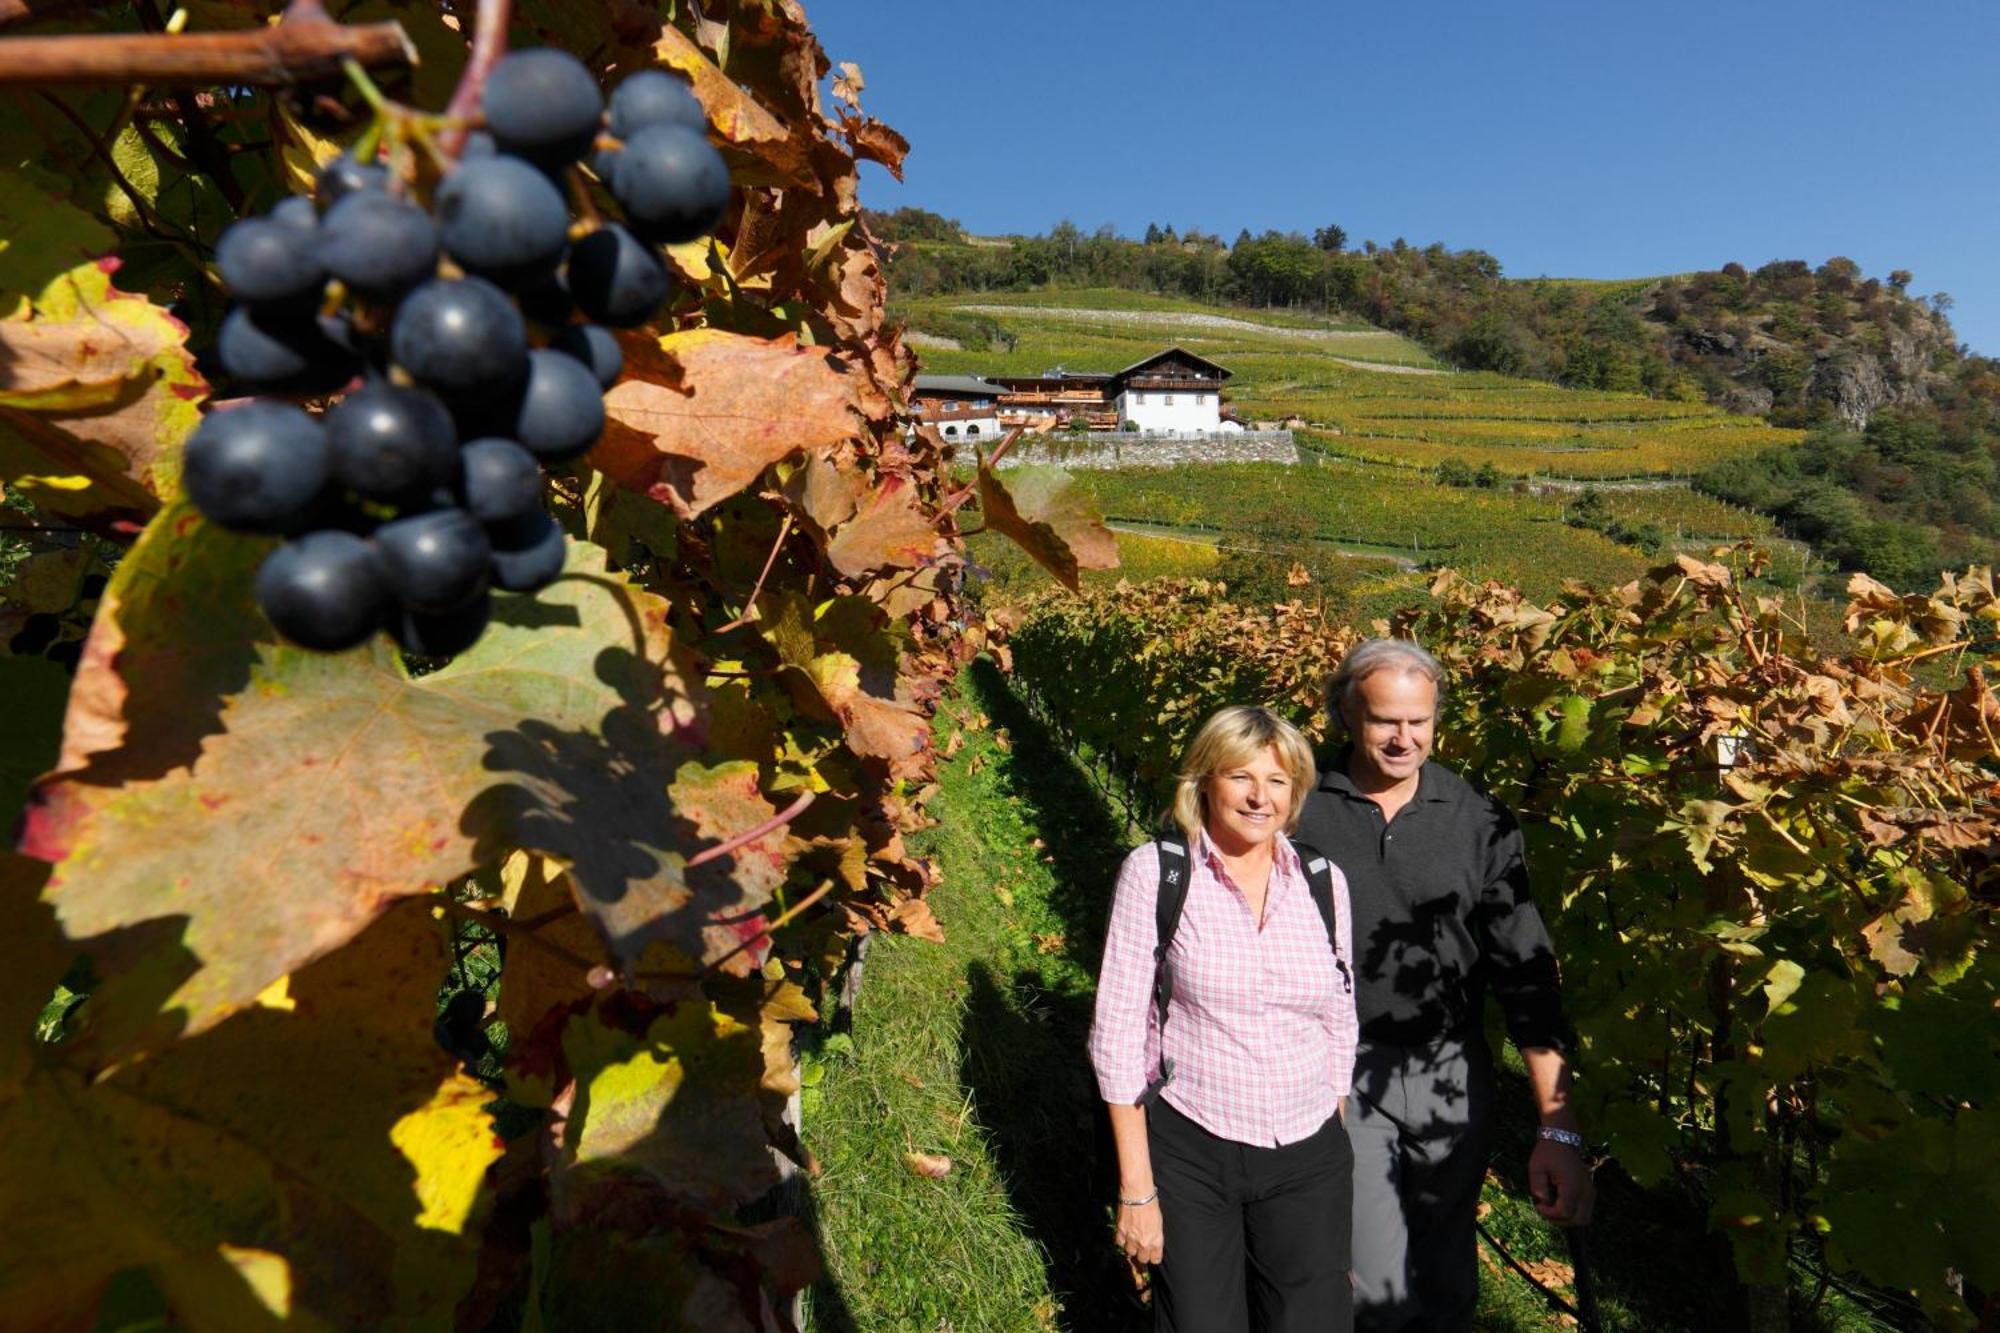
(338, 784)
(206, 1166)
(97, 388)
(153, 676)
(890, 531)
(701, 417)
(1047, 515)
(845, 664)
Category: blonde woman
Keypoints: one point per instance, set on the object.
(1226, 1055)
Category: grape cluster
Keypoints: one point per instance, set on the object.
(468, 344)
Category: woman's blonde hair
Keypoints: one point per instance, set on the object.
(1230, 738)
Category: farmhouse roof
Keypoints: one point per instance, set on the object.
(1172, 353)
(966, 386)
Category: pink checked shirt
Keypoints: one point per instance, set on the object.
(1261, 1030)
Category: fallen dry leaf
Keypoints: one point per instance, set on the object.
(930, 1165)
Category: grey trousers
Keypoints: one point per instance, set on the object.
(1421, 1128)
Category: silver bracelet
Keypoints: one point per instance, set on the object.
(1569, 1138)
(1140, 1203)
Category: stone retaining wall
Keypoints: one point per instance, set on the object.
(1115, 449)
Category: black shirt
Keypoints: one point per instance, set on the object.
(1441, 911)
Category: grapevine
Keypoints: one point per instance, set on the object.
(456, 991)
(1770, 873)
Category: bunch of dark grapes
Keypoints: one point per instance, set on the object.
(469, 347)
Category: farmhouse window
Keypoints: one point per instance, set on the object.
(1170, 400)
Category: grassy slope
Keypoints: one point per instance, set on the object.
(1375, 491)
(975, 1048)
(1352, 382)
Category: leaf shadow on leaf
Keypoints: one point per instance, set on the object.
(599, 802)
(163, 1162)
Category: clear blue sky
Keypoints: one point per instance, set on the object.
(1576, 138)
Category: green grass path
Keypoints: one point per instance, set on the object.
(975, 1049)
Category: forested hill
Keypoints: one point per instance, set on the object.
(1800, 344)
(1898, 475)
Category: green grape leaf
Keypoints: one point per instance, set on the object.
(1050, 517)
(700, 415)
(43, 239)
(30, 726)
(1881, 1204)
(338, 784)
(679, 1099)
(231, 1182)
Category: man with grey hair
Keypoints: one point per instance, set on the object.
(1442, 918)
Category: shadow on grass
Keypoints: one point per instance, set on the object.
(1023, 1055)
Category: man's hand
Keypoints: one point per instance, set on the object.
(1559, 1179)
(1140, 1232)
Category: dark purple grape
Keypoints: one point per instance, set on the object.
(392, 444)
(257, 468)
(323, 591)
(543, 105)
(499, 481)
(501, 218)
(478, 144)
(595, 347)
(528, 553)
(283, 351)
(654, 97)
(547, 301)
(266, 261)
(378, 245)
(617, 279)
(344, 176)
(435, 561)
(671, 183)
(441, 633)
(560, 412)
(295, 210)
(460, 336)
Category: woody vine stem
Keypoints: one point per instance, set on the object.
(305, 44)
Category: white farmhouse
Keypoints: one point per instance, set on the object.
(960, 406)
(1173, 392)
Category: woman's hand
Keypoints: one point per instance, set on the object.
(1140, 1232)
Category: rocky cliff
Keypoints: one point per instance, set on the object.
(1797, 344)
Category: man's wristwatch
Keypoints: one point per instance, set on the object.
(1569, 1138)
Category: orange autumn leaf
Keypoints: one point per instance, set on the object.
(698, 418)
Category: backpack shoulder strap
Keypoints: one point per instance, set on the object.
(1319, 878)
(1173, 853)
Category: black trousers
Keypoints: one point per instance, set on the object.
(1255, 1238)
